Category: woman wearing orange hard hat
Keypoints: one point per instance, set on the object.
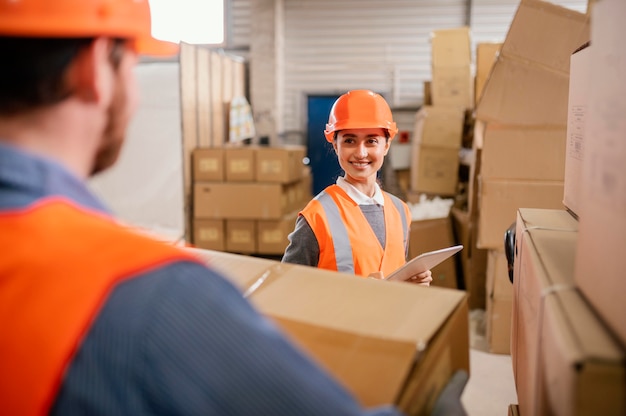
(354, 226)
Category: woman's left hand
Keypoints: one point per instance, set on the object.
(423, 279)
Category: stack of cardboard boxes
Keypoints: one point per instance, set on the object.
(246, 198)
(439, 127)
(568, 334)
(521, 130)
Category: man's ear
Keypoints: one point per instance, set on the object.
(88, 77)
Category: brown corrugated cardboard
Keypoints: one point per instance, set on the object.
(279, 164)
(546, 33)
(452, 87)
(209, 234)
(474, 260)
(486, 55)
(576, 117)
(498, 326)
(523, 153)
(582, 369)
(208, 164)
(545, 250)
(499, 201)
(241, 236)
(600, 271)
(240, 164)
(434, 234)
(383, 354)
(439, 126)
(528, 84)
(435, 170)
(272, 234)
(240, 200)
(522, 93)
(499, 303)
(451, 47)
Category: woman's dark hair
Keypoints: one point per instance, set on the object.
(32, 73)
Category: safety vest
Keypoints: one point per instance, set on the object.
(347, 242)
(58, 264)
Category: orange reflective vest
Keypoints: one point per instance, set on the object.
(59, 263)
(346, 240)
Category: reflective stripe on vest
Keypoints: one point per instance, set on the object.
(400, 207)
(59, 263)
(343, 248)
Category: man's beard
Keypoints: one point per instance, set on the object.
(114, 132)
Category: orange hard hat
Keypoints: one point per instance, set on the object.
(124, 19)
(359, 109)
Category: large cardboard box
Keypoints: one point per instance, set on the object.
(452, 87)
(500, 199)
(383, 354)
(545, 251)
(523, 153)
(486, 56)
(473, 259)
(451, 47)
(241, 236)
(240, 164)
(209, 234)
(272, 235)
(434, 234)
(241, 200)
(208, 164)
(528, 84)
(578, 109)
(582, 369)
(439, 126)
(280, 164)
(435, 170)
(601, 263)
(499, 303)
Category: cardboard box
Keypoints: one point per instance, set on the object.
(545, 251)
(528, 84)
(241, 200)
(473, 259)
(382, 355)
(272, 234)
(280, 164)
(208, 164)
(523, 153)
(240, 164)
(499, 303)
(435, 170)
(514, 410)
(601, 263)
(486, 56)
(580, 67)
(209, 234)
(451, 47)
(241, 236)
(434, 234)
(452, 87)
(582, 369)
(439, 126)
(500, 200)
(498, 325)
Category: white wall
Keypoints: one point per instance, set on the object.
(145, 187)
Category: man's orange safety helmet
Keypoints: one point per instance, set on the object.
(124, 19)
(360, 109)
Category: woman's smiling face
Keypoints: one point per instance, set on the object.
(361, 153)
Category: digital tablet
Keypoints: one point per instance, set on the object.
(423, 262)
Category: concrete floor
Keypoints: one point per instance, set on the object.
(491, 388)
